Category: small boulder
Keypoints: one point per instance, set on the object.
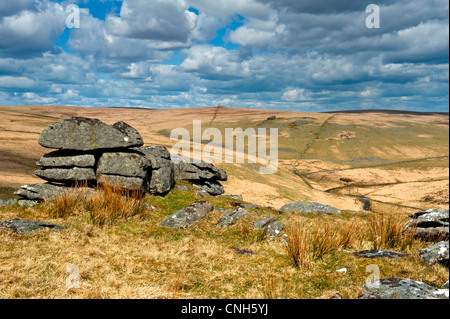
(399, 288)
(182, 188)
(185, 170)
(271, 226)
(309, 207)
(379, 253)
(22, 226)
(244, 205)
(188, 216)
(231, 217)
(211, 187)
(429, 224)
(436, 253)
(42, 191)
(7, 202)
(28, 202)
(244, 252)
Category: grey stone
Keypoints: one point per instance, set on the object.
(310, 207)
(66, 159)
(202, 193)
(129, 183)
(123, 164)
(399, 288)
(244, 205)
(42, 191)
(429, 224)
(7, 202)
(22, 226)
(445, 285)
(271, 118)
(379, 253)
(244, 252)
(185, 170)
(274, 229)
(436, 253)
(182, 187)
(28, 202)
(231, 217)
(211, 187)
(271, 226)
(64, 175)
(188, 216)
(85, 134)
(162, 177)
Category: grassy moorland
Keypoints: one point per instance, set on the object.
(121, 252)
(396, 160)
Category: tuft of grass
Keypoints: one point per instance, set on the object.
(105, 204)
(298, 247)
(112, 203)
(270, 287)
(306, 245)
(387, 231)
(66, 204)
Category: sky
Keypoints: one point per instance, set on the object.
(299, 55)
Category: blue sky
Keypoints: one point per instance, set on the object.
(299, 55)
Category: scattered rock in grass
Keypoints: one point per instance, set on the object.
(22, 226)
(28, 202)
(379, 253)
(336, 296)
(182, 187)
(399, 288)
(231, 217)
(244, 252)
(188, 216)
(7, 202)
(202, 193)
(203, 175)
(430, 224)
(445, 285)
(309, 207)
(436, 253)
(212, 187)
(271, 226)
(244, 205)
(42, 191)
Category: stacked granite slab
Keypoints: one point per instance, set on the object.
(89, 151)
(201, 174)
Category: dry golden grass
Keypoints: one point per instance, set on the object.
(106, 204)
(129, 256)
